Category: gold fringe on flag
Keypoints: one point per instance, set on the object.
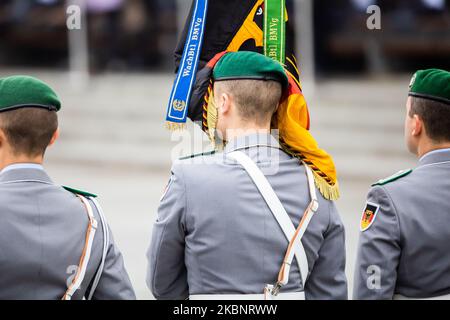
(329, 192)
(292, 122)
(174, 126)
(327, 187)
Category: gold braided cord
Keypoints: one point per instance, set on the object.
(206, 125)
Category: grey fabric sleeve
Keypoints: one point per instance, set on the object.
(167, 275)
(114, 282)
(327, 280)
(378, 251)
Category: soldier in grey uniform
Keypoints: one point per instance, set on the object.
(54, 240)
(216, 235)
(403, 249)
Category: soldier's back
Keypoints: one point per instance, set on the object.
(421, 201)
(42, 235)
(234, 244)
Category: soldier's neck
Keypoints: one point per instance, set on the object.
(10, 159)
(241, 132)
(430, 146)
(238, 127)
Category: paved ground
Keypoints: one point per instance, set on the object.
(113, 143)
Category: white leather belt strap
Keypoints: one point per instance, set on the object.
(400, 297)
(293, 235)
(105, 248)
(86, 254)
(281, 296)
(283, 276)
(274, 204)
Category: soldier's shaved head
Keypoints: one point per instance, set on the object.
(435, 116)
(256, 100)
(28, 131)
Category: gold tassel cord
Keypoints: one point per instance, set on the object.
(212, 119)
(210, 115)
(326, 186)
(329, 192)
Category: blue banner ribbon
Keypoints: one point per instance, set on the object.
(184, 82)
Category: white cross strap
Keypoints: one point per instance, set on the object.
(86, 254)
(105, 248)
(293, 235)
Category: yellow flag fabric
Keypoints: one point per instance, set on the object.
(292, 121)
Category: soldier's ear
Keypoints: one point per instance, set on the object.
(3, 139)
(417, 125)
(224, 103)
(54, 137)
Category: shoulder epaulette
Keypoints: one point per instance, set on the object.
(80, 192)
(394, 177)
(209, 153)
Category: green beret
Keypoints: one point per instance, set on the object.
(432, 84)
(248, 65)
(23, 91)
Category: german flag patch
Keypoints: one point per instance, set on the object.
(368, 216)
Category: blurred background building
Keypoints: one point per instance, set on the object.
(415, 34)
(132, 35)
(139, 35)
(113, 142)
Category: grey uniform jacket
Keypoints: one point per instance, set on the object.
(42, 235)
(215, 234)
(406, 249)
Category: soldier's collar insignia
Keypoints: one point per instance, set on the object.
(208, 153)
(80, 192)
(369, 215)
(394, 177)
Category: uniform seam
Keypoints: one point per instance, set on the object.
(21, 181)
(97, 268)
(186, 210)
(41, 249)
(327, 231)
(329, 218)
(155, 291)
(185, 207)
(395, 210)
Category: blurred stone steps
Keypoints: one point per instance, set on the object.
(118, 121)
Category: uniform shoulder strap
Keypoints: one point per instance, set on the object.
(80, 192)
(394, 177)
(106, 241)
